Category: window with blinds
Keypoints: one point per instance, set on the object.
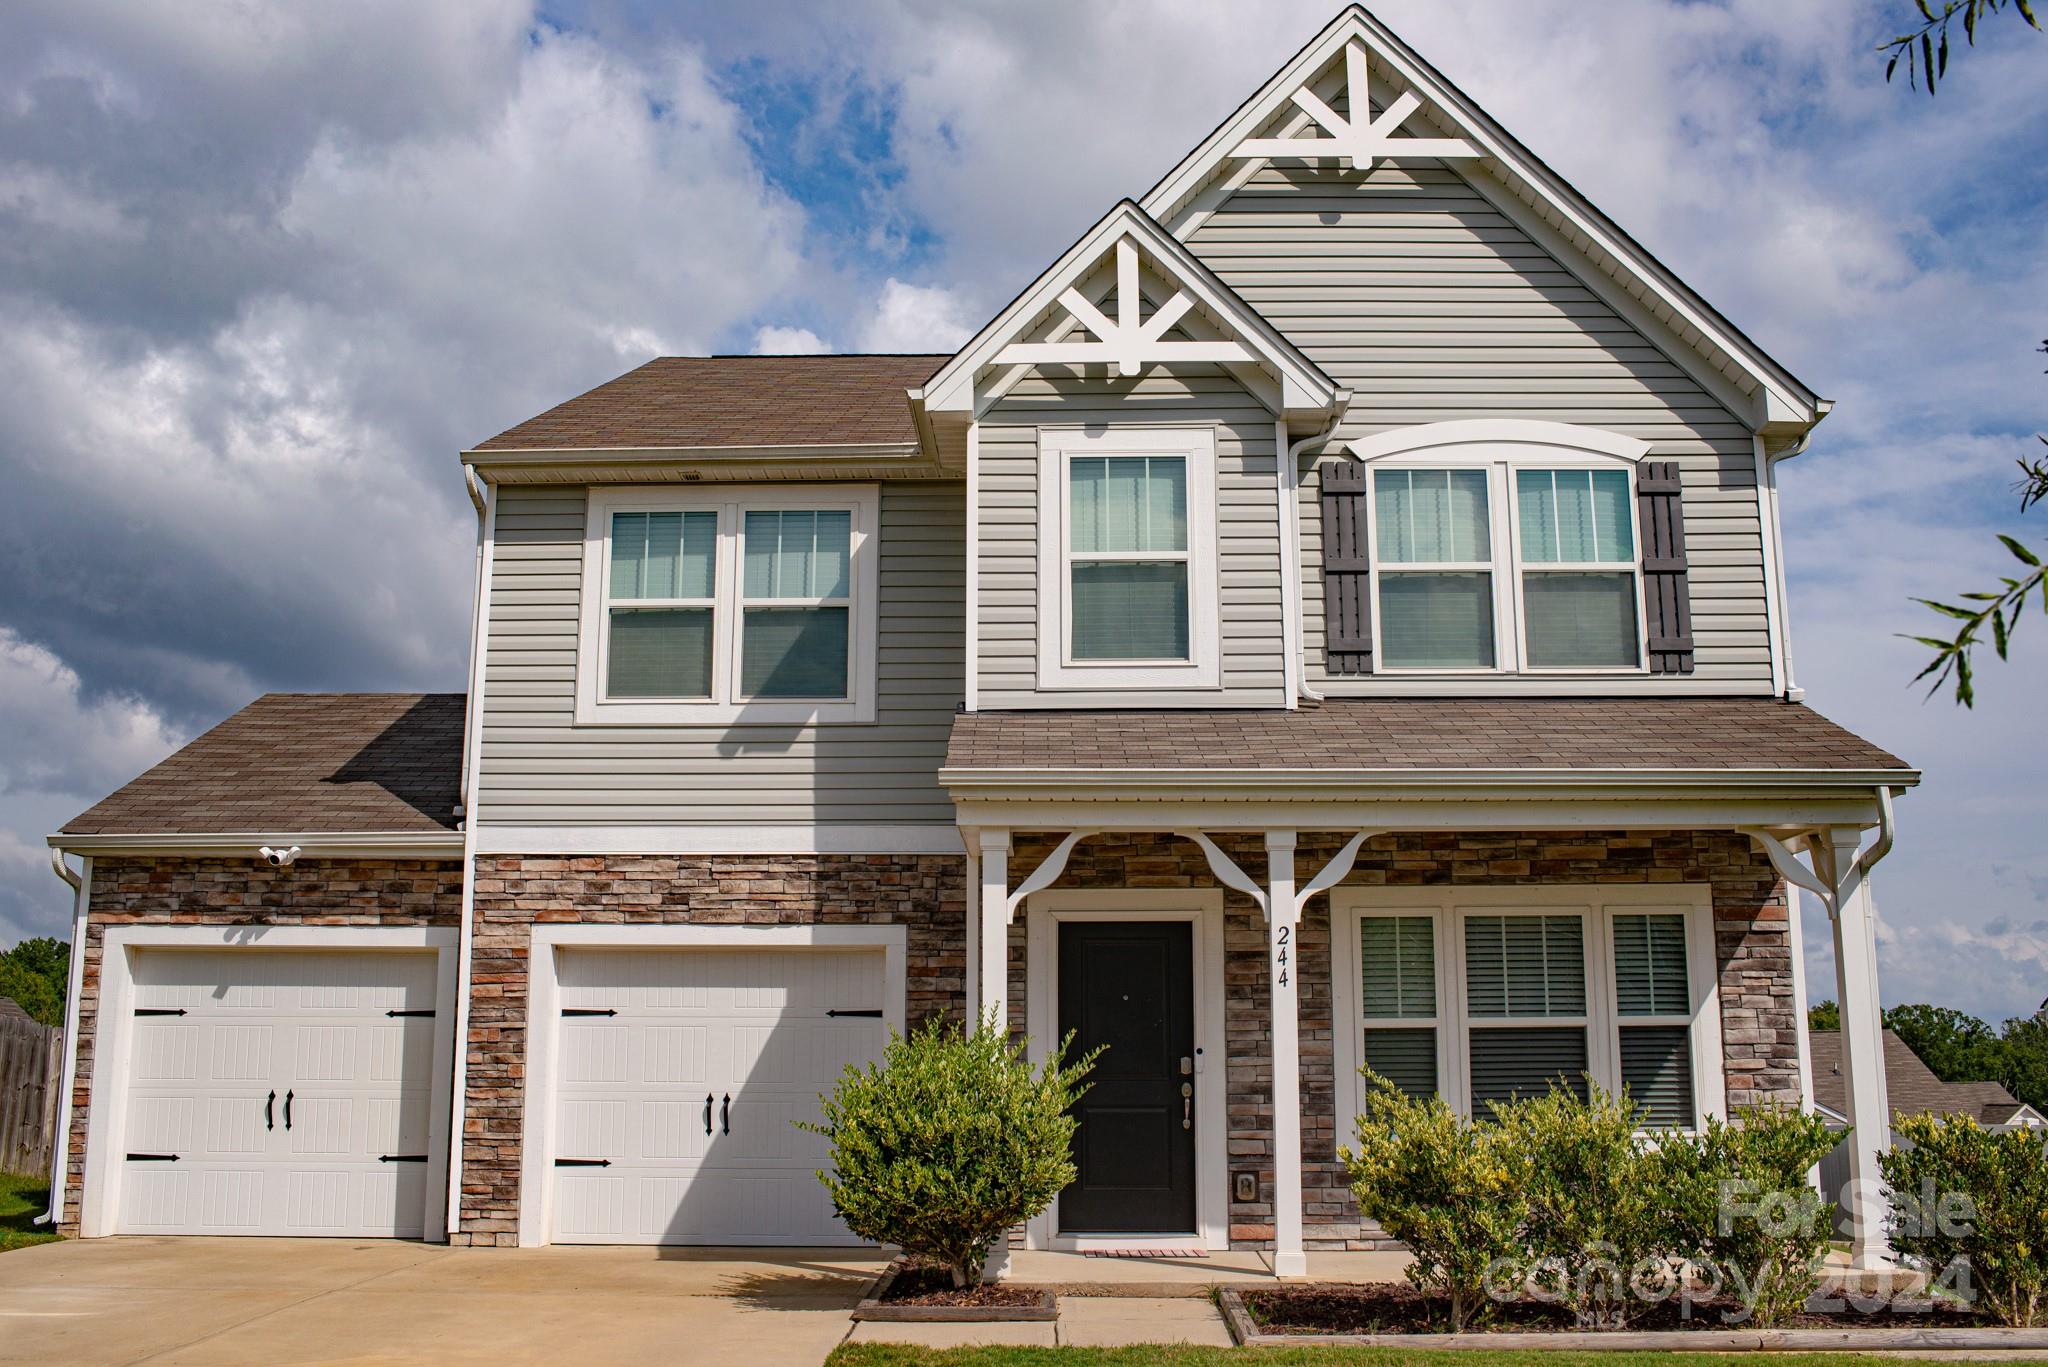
(662, 581)
(796, 602)
(1525, 977)
(1576, 542)
(1128, 539)
(1434, 551)
(1653, 1007)
(1398, 998)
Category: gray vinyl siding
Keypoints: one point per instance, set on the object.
(1247, 531)
(540, 767)
(1413, 291)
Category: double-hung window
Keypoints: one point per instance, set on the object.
(1127, 570)
(1505, 558)
(728, 604)
(1481, 995)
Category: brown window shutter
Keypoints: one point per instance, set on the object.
(1347, 571)
(1667, 598)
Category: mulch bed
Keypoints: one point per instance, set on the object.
(1396, 1308)
(934, 1286)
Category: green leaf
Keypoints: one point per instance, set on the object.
(1966, 693)
(1924, 10)
(1961, 614)
(1891, 66)
(2025, 556)
(1970, 23)
(1998, 633)
(1941, 52)
(2026, 10)
(1927, 61)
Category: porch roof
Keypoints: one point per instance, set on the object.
(1406, 736)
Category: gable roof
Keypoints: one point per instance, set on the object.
(737, 405)
(1910, 1085)
(1635, 282)
(1303, 383)
(292, 763)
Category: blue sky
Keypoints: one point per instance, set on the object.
(263, 271)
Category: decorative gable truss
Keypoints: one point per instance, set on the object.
(1358, 138)
(1167, 309)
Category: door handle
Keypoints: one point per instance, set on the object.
(725, 1115)
(288, 1108)
(269, 1120)
(707, 1113)
(1187, 1105)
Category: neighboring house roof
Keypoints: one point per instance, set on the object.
(1910, 1085)
(10, 1009)
(1397, 734)
(681, 403)
(331, 763)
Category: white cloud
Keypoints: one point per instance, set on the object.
(917, 318)
(786, 341)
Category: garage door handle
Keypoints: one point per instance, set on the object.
(707, 1113)
(583, 1162)
(269, 1120)
(401, 1158)
(876, 1014)
(725, 1115)
(288, 1108)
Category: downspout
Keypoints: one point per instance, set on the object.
(485, 497)
(60, 1142)
(1781, 589)
(1290, 523)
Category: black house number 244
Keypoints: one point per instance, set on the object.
(1286, 933)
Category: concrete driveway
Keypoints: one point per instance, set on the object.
(282, 1301)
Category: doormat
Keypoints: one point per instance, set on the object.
(1146, 1252)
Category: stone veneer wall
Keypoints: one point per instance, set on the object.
(1758, 1023)
(177, 891)
(926, 893)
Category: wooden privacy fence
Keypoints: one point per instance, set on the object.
(31, 1063)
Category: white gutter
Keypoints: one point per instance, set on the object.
(1380, 779)
(485, 496)
(60, 1142)
(1778, 601)
(1291, 592)
(312, 844)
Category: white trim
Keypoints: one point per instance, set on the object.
(552, 455)
(60, 1142)
(1357, 140)
(1057, 669)
(543, 1017)
(472, 790)
(1203, 908)
(1596, 904)
(249, 844)
(1568, 437)
(113, 1028)
(973, 590)
(760, 838)
(1178, 807)
(726, 707)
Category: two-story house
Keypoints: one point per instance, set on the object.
(1334, 616)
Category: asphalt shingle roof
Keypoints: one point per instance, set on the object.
(1909, 1083)
(716, 401)
(342, 763)
(1424, 733)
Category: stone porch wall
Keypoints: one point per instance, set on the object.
(926, 893)
(1753, 946)
(176, 891)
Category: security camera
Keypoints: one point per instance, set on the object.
(278, 859)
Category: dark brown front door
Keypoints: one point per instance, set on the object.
(1128, 986)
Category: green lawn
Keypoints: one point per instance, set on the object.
(892, 1355)
(21, 1200)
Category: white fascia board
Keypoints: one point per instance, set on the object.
(625, 455)
(1785, 401)
(1096, 780)
(1303, 384)
(761, 838)
(1180, 810)
(312, 844)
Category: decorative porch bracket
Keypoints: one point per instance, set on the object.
(1231, 876)
(1840, 877)
(1045, 875)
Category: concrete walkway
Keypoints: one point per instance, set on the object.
(364, 1302)
(1085, 1321)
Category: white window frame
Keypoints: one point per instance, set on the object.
(1597, 905)
(727, 707)
(1057, 667)
(1502, 447)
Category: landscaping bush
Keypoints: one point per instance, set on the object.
(1966, 1198)
(1739, 1206)
(949, 1141)
(1449, 1189)
(1596, 1237)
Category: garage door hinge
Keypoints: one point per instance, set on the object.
(583, 1162)
(159, 1010)
(152, 1158)
(875, 1014)
(401, 1158)
(588, 1011)
(426, 1011)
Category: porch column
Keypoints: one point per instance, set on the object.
(1869, 1108)
(1289, 1259)
(994, 923)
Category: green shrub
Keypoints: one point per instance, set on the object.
(1740, 1207)
(1596, 1231)
(1450, 1190)
(1966, 1198)
(949, 1141)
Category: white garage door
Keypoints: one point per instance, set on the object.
(681, 1073)
(277, 1092)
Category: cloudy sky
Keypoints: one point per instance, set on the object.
(264, 270)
